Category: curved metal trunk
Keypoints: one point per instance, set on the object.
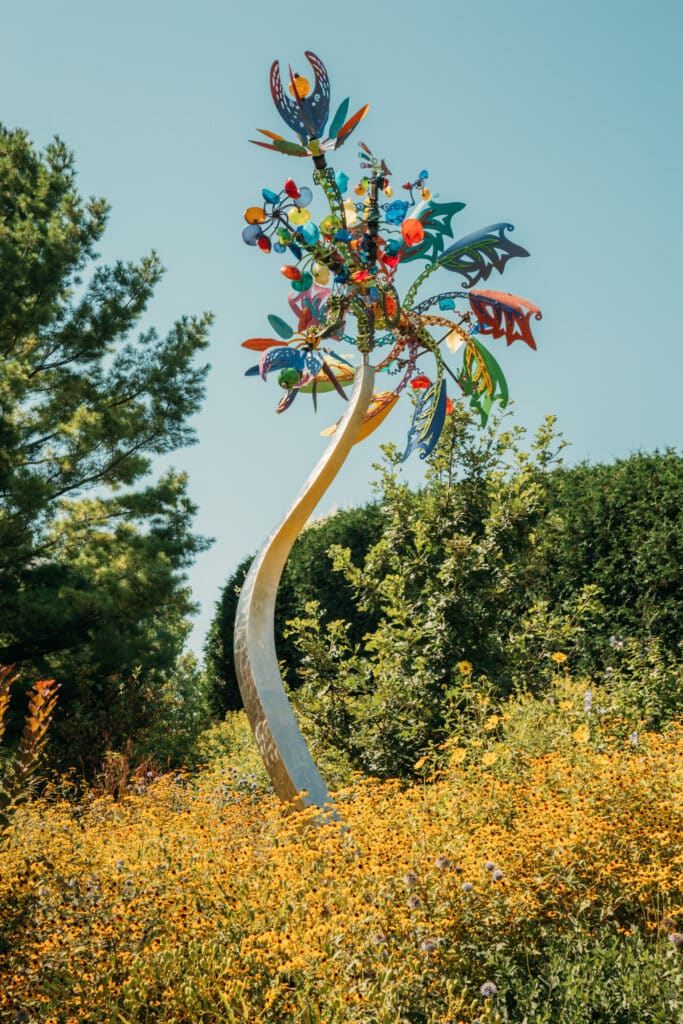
(283, 748)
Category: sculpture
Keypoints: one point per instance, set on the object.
(344, 268)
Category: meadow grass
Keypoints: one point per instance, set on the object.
(532, 876)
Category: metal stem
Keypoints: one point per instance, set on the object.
(283, 749)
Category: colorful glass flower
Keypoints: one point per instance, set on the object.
(281, 216)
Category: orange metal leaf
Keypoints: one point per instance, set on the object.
(261, 344)
(270, 135)
(347, 128)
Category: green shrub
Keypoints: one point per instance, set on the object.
(307, 576)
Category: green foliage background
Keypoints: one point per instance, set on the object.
(503, 558)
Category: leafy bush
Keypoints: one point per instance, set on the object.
(230, 745)
(502, 558)
(307, 576)
(619, 527)
(477, 567)
(448, 580)
(182, 710)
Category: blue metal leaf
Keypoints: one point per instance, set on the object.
(279, 358)
(428, 420)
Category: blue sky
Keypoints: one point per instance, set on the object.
(564, 119)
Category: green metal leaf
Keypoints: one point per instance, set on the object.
(482, 380)
(290, 148)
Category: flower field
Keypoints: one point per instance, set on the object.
(514, 883)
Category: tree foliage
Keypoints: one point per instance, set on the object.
(92, 553)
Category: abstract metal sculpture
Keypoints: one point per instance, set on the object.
(344, 267)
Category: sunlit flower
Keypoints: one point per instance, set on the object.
(582, 734)
(489, 989)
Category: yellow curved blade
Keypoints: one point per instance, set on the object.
(380, 407)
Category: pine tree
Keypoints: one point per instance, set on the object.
(92, 551)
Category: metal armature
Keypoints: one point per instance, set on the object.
(282, 747)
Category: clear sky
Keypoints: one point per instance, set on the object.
(561, 118)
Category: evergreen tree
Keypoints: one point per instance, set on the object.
(92, 553)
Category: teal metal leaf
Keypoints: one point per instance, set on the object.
(339, 119)
(280, 327)
(436, 221)
(476, 255)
